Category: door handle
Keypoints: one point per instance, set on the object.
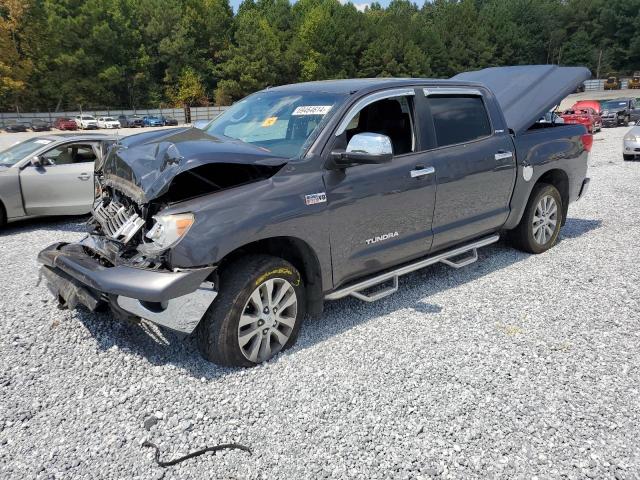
(84, 176)
(503, 154)
(421, 171)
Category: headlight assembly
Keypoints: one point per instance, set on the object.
(169, 229)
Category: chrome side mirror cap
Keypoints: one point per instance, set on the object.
(367, 148)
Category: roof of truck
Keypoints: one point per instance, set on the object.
(356, 84)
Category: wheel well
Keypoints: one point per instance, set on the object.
(296, 252)
(560, 180)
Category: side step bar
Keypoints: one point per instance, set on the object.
(449, 258)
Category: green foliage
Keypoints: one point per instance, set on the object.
(136, 53)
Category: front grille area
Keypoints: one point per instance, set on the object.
(117, 221)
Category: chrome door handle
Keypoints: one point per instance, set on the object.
(501, 155)
(84, 176)
(420, 172)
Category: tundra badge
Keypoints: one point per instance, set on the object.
(380, 238)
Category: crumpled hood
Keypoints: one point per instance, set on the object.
(143, 165)
(526, 92)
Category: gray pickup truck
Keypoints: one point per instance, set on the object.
(317, 191)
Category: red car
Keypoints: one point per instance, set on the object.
(582, 104)
(585, 116)
(65, 123)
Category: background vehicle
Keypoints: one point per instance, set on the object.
(38, 125)
(108, 122)
(65, 123)
(619, 111)
(49, 175)
(634, 82)
(152, 121)
(130, 121)
(276, 206)
(631, 144)
(551, 117)
(168, 121)
(612, 83)
(593, 104)
(200, 124)
(586, 117)
(86, 122)
(14, 126)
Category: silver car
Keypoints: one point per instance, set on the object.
(50, 175)
(631, 144)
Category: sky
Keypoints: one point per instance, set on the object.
(360, 4)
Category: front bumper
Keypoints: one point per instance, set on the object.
(174, 299)
(631, 147)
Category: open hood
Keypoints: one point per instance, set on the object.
(525, 93)
(143, 166)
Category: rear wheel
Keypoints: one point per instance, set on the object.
(627, 158)
(540, 225)
(257, 313)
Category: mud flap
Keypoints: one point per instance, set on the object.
(69, 291)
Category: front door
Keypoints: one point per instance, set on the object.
(63, 185)
(380, 215)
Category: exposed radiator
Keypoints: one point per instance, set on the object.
(117, 221)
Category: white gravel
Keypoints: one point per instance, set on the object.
(518, 366)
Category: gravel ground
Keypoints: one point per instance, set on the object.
(518, 366)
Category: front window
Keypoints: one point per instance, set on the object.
(280, 122)
(19, 151)
(109, 119)
(87, 117)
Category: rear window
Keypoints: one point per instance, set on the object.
(459, 119)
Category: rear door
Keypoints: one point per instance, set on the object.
(64, 184)
(380, 215)
(475, 165)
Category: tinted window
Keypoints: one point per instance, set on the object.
(459, 119)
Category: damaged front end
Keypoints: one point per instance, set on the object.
(124, 262)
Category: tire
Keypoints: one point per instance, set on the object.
(219, 332)
(523, 236)
(626, 122)
(3, 216)
(627, 158)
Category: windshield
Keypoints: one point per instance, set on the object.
(612, 105)
(87, 117)
(278, 121)
(17, 152)
(109, 119)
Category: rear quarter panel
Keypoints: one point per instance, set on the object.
(546, 149)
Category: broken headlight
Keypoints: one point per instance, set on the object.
(169, 229)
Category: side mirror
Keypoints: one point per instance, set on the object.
(36, 162)
(365, 148)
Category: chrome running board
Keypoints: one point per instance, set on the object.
(448, 258)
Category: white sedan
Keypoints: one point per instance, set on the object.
(108, 122)
(631, 144)
(86, 122)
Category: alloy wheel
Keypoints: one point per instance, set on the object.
(545, 219)
(267, 320)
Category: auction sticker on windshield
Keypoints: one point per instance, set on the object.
(43, 142)
(312, 110)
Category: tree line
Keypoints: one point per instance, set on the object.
(66, 54)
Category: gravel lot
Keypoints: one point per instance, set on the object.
(518, 366)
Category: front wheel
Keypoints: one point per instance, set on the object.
(540, 225)
(627, 158)
(257, 313)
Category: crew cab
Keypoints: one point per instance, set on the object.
(317, 191)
